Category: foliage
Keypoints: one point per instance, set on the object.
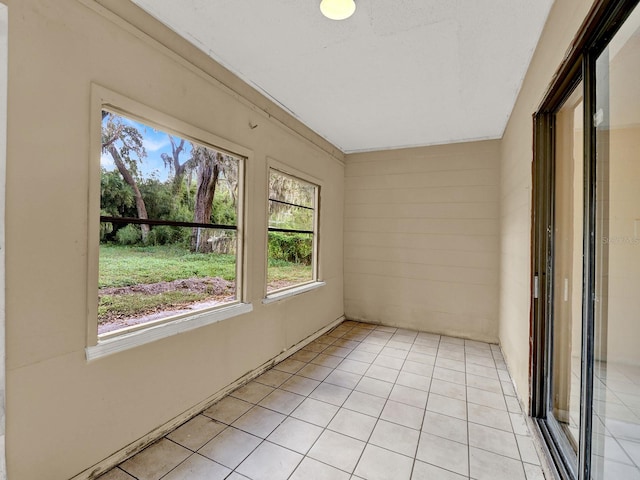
(118, 135)
(124, 266)
(129, 235)
(116, 197)
(291, 247)
(158, 198)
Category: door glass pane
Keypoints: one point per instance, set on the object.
(567, 271)
(616, 409)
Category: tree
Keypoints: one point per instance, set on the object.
(173, 162)
(124, 144)
(207, 167)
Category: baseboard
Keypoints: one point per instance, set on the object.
(156, 434)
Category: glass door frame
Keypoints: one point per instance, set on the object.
(602, 22)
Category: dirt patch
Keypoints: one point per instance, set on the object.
(217, 291)
(214, 286)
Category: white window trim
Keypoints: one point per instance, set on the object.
(151, 334)
(97, 347)
(292, 291)
(315, 282)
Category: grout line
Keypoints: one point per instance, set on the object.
(354, 345)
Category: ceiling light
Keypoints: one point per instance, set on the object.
(337, 9)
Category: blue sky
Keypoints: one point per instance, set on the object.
(156, 143)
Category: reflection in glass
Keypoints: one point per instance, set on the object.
(567, 272)
(292, 217)
(616, 409)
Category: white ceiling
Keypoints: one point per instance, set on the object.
(398, 73)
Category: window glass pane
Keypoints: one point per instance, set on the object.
(567, 269)
(291, 243)
(148, 173)
(616, 406)
(155, 271)
(293, 218)
(290, 260)
(291, 190)
(141, 283)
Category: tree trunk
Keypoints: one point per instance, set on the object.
(177, 166)
(207, 178)
(126, 175)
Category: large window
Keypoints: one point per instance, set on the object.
(292, 235)
(169, 215)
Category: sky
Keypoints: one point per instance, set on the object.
(156, 143)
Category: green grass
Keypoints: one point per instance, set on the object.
(122, 266)
(132, 305)
(292, 273)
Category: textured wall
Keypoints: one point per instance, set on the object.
(515, 188)
(65, 414)
(422, 238)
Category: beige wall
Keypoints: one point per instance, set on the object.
(65, 414)
(623, 244)
(564, 20)
(421, 238)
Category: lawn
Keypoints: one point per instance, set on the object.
(122, 266)
(135, 281)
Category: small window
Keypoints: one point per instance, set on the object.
(169, 210)
(292, 239)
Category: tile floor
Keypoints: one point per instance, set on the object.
(616, 419)
(360, 402)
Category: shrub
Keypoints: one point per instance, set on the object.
(129, 235)
(291, 247)
(167, 235)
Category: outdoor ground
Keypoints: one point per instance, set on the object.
(138, 284)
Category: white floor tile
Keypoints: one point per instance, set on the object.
(259, 421)
(196, 432)
(230, 447)
(396, 438)
(367, 402)
(270, 462)
(491, 466)
(337, 450)
(197, 467)
(310, 469)
(157, 460)
(380, 464)
(295, 435)
(315, 412)
(352, 424)
(443, 453)
(426, 471)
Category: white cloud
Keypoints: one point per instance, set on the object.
(107, 162)
(153, 145)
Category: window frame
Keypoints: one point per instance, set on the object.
(315, 282)
(123, 339)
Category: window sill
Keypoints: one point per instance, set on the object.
(275, 297)
(151, 334)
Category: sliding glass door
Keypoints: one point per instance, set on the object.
(616, 384)
(566, 284)
(586, 252)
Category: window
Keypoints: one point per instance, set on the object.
(170, 208)
(292, 238)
